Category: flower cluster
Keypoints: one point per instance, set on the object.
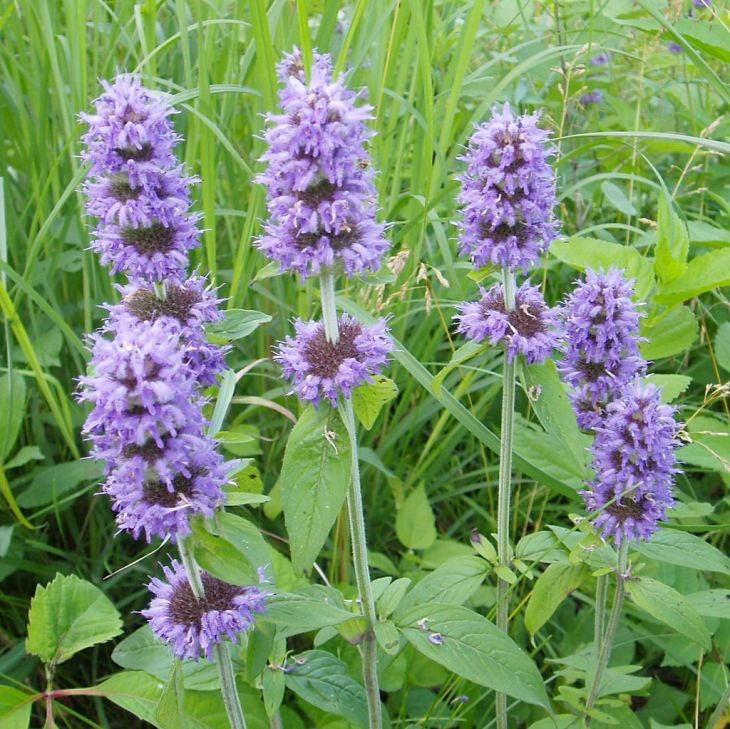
(591, 97)
(319, 178)
(151, 358)
(601, 356)
(136, 188)
(319, 368)
(192, 626)
(508, 192)
(530, 328)
(635, 463)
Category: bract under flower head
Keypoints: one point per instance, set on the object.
(158, 498)
(193, 626)
(319, 368)
(635, 463)
(601, 355)
(140, 389)
(319, 178)
(508, 192)
(529, 329)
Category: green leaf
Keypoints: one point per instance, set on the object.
(474, 649)
(25, 455)
(711, 603)
(322, 680)
(551, 405)
(617, 198)
(685, 550)
(171, 712)
(668, 606)
(583, 253)
(247, 538)
(674, 332)
(672, 244)
(388, 637)
(273, 685)
(68, 615)
(672, 386)
(452, 583)
(706, 235)
(551, 588)
(314, 480)
(311, 608)
(135, 691)
(710, 446)
(50, 484)
(392, 596)
(12, 410)
(219, 557)
(722, 346)
(15, 706)
(463, 354)
(710, 38)
(704, 273)
(369, 399)
(415, 524)
(238, 323)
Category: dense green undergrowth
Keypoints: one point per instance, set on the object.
(643, 183)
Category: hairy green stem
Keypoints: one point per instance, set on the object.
(600, 615)
(505, 486)
(356, 517)
(220, 651)
(604, 653)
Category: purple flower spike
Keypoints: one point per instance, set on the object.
(319, 178)
(635, 463)
(141, 389)
(318, 369)
(601, 356)
(160, 501)
(192, 626)
(529, 329)
(508, 192)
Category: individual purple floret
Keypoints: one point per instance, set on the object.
(319, 368)
(592, 97)
(674, 47)
(601, 327)
(508, 192)
(140, 388)
(160, 501)
(130, 130)
(702, 3)
(187, 308)
(319, 178)
(192, 626)
(635, 464)
(136, 188)
(529, 329)
(600, 59)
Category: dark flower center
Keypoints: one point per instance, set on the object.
(120, 189)
(144, 154)
(627, 509)
(338, 241)
(504, 231)
(592, 371)
(150, 451)
(155, 238)
(156, 492)
(186, 609)
(325, 357)
(527, 319)
(317, 193)
(145, 304)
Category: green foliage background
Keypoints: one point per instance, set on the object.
(642, 171)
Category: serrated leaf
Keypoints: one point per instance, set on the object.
(552, 587)
(322, 680)
(415, 524)
(368, 399)
(711, 603)
(136, 691)
(238, 323)
(171, 712)
(314, 480)
(581, 252)
(15, 707)
(68, 615)
(703, 273)
(668, 606)
(710, 446)
(685, 550)
(672, 386)
(474, 649)
(221, 558)
(674, 332)
(672, 246)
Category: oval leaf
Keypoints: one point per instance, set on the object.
(551, 588)
(415, 524)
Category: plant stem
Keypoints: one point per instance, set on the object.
(356, 517)
(604, 653)
(600, 617)
(503, 496)
(220, 651)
